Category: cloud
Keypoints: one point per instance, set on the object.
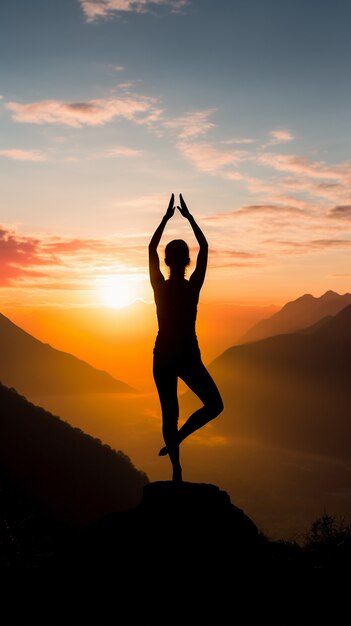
(226, 258)
(41, 261)
(330, 243)
(118, 151)
(17, 154)
(135, 108)
(95, 9)
(301, 165)
(255, 210)
(240, 254)
(18, 256)
(245, 140)
(281, 136)
(310, 178)
(151, 202)
(282, 228)
(236, 176)
(191, 124)
(273, 189)
(271, 209)
(341, 212)
(305, 247)
(204, 155)
(207, 158)
(292, 201)
(276, 189)
(310, 182)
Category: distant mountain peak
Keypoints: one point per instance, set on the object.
(303, 312)
(330, 294)
(306, 296)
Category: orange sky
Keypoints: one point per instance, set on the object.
(121, 341)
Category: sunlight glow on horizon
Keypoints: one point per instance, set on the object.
(118, 291)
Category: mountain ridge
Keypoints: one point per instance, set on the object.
(72, 474)
(300, 313)
(34, 367)
(314, 365)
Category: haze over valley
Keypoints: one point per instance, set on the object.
(281, 447)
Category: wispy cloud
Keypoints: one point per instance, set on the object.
(207, 158)
(341, 212)
(16, 154)
(191, 124)
(19, 257)
(118, 151)
(136, 108)
(305, 247)
(229, 258)
(275, 229)
(56, 260)
(342, 274)
(245, 140)
(153, 201)
(96, 9)
(308, 181)
(268, 209)
(281, 136)
(301, 165)
(204, 155)
(294, 198)
(254, 210)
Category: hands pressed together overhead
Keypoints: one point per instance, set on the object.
(182, 208)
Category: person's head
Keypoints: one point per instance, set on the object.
(177, 256)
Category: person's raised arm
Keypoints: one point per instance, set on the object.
(154, 262)
(198, 275)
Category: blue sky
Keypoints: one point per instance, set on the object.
(108, 106)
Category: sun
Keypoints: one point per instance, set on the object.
(117, 291)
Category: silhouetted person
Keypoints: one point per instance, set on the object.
(176, 351)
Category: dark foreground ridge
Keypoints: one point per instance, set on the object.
(202, 506)
(69, 473)
(184, 556)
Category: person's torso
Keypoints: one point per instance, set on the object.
(176, 303)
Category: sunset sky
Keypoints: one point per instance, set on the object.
(109, 106)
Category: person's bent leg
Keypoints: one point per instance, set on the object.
(200, 381)
(166, 383)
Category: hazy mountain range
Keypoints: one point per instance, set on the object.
(292, 390)
(71, 474)
(33, 367)
(304, 311)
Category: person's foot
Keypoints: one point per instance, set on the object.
(163, 451)
(177, 475)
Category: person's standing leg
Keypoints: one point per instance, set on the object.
(167, 383)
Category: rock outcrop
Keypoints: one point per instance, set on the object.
(195, 511)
